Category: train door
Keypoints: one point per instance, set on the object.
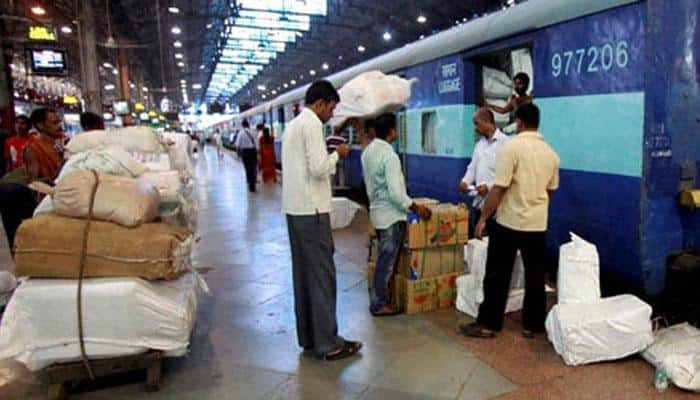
(498, 70)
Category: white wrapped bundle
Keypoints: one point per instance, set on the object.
(134, 138)
(168, 183)
(125, 201)
(371, 94)
(180, 150)
(121, 316)
(676, 349)
(112, 160)
(578, 278)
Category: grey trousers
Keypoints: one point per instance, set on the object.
(314, 278)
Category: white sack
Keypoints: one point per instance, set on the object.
(122, 200)
(168, 183)
(475, 254)
(179, 147)
(342, 212)
(371, 94)
(497, 84)
(153, 161)
(677, 350)
(133, 138)
(121, 316)
(8, 282)
(608, 329)
(578, 278)
(111, 160)
(470, 294)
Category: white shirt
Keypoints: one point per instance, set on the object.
(306, 167)
(482, 168)
(246, 139)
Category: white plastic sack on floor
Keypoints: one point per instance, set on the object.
(342, 212)
(578, 278)
(676, 349)
(8, 282)
(133, 138)
(608, 329)
(470, 294)
(126, 201)
(475, 254)
(371, 94)
(121, 316)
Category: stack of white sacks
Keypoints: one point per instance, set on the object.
(584, 327)
(470, 287)
(122, 314)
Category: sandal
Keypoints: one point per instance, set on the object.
(386, 311)
(348, 349)
(475, 330)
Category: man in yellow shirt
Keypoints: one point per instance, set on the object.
(527, 172)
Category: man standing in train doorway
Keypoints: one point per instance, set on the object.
(306, 200)
(527, 173)
(247, 146)
(482, 168)
(521, 82)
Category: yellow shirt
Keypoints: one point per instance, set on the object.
(527, 168)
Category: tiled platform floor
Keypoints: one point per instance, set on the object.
(244, 344)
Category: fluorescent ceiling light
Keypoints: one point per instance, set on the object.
(107, 65)
(173, 10)
(361, 48)
(261, 88)
(38, 10)
(177, 44)
(197, 86)
(109, 86)
(309, 7)
(312, 72)
(421, 19)
(66, 29)
(176, 30)
(325, 66)
(180, 64)
(387, 36)
(178, 56)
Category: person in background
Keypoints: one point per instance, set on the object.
(91, 122)
(219, 142)
(306, 201)
(267, 156)
(521, 82)
(368, 134)
(482, 168)
(527, 173)
(259, 130)
(389, 204)
(247, 146)
(42, 162)
(14, 145)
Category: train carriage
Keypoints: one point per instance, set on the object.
(617, 84)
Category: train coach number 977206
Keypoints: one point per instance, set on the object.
(594, 59)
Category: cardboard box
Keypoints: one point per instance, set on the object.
(446, 286)
(391, 291)
(416, 296)
(431, 261)
(426, 201)
(448, 225)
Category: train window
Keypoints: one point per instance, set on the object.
(497, 72)
(428, 125)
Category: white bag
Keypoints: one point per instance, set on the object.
(342, 212)
(470, 294)
(122, 200)
(153, 161)
(179, 147)
(134, 138)
(371, 94)
(168, 183)
(8, 282)
(608, 329)
(111, 160)
(677, 350)
(578, 278)
(475, 254)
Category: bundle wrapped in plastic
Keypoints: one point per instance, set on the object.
(179, 147)
(49, 246)
(111, 160)
(134, 138)
(169, 185)
(578, 280)
(371, 94)
(676, 350)
(122, 200)
(121, 316)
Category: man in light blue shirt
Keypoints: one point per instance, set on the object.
(482, 168)
(389, 203)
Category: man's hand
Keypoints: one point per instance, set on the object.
(343, 150)
(423, 212)
(479, 229)
(483, 190)
(463, 187)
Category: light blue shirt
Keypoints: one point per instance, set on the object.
(388, 200)
(482, 168)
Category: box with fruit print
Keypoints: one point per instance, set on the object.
(448, 225)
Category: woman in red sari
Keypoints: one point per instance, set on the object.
(267, 156)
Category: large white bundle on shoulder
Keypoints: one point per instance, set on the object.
(126, 201)
(133, 138)
(371, 94)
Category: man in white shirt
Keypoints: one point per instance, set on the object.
(247, 146)
(482, 168)
(306, 200)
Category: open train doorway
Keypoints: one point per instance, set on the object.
(497, 89)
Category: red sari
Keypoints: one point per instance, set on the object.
(267, 160)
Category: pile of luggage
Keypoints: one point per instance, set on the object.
(431, 260)
(117, 231)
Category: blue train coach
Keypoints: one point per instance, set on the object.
(617, 84)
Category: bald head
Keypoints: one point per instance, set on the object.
(484, 122)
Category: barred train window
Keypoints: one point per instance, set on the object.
(429, 132)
